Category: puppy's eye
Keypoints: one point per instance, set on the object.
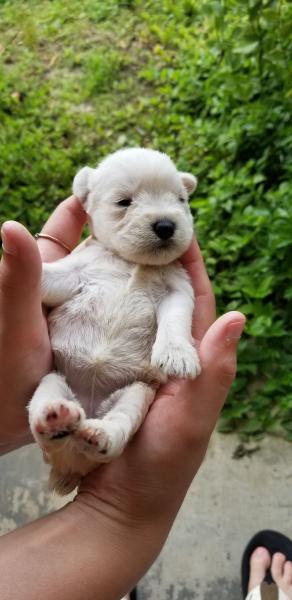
(125, 202)
(181, 199)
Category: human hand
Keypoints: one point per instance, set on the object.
(25, 352)
(138, 495)
(123, 512)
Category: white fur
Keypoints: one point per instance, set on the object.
(122, 313)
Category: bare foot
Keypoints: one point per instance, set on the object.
(260, 561)
(281, 570)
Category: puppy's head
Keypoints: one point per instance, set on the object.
(137, 204)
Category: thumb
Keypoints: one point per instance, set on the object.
(20, 276)
(218, 358)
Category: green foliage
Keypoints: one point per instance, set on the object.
(102, 69)
(207, 82)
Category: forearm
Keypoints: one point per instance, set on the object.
(76, 553)
(7, 444)
(175, 317)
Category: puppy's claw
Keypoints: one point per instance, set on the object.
(177, 360)
(94, 435)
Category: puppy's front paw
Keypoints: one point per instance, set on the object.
(56, 420)
(176, 359)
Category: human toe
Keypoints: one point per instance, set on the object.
(260, 561)
(287, 578)
(277, 566)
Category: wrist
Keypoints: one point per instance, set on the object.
(128, 543)
(77, 552)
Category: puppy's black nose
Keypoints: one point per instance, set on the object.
(164, 229)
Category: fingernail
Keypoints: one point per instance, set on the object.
(234, 331)
(7, 245)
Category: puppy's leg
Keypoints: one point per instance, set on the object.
(106, 438)
(54, 412)
(63, 483)
(60, 281)
(174, 350)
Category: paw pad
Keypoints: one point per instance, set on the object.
(58, 419)
(94, 436)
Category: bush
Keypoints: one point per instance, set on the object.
(207, 82)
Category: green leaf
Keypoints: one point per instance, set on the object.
(248, 49)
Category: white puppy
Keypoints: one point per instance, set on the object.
(122, 313)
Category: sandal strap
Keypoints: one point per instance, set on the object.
(266, 591)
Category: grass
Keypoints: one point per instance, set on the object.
(208, 83)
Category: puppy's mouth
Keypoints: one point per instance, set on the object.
(157, 246)
(164, 245)
(154, 251)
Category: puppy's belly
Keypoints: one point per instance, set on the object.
(94, 384)
(104, 349)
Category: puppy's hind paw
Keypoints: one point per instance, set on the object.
(57, 419)
(94, 437)
(100, 440)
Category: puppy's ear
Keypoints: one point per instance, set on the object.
(190, 182)
(81, 184)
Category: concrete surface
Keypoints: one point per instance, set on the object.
(228, 502)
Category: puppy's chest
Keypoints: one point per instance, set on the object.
(115, 301)
(114, 291)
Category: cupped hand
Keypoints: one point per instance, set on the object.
(123, 511)
(25, 352)
(146, 485)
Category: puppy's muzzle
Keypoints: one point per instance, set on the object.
(164, 229)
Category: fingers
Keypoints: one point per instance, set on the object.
(65, 224)
(218, 359)
(205, 308)
(185, 412)
(20, 274)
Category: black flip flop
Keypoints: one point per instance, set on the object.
(133, 594)
(273, 542)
